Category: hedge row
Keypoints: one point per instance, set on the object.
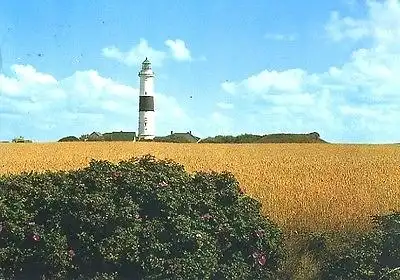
(149, 219)
(139, 219)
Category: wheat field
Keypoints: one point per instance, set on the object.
(301, 186)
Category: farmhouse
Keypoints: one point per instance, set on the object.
(186, 136)
(120, 136)
(95, 136)
(21, 140)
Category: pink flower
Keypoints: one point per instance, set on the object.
(116, 174)
(71, 253)
(242, 191)
(206, 217)
(138, 217)
(259, 233)
(163, 184)
(262, 259)
(36, 237)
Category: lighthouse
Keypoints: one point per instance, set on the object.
(146, 102)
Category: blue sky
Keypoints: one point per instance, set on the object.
(70, 67)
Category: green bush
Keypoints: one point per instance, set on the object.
(139, 219)
(376, 255)
(69, 139)
(172, 139)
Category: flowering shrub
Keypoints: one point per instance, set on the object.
(376, 255)
(138, 219)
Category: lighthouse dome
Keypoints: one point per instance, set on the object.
(146, 61)
(146, 64)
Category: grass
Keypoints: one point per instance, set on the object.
(303, 187)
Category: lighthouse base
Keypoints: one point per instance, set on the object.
(146, 137)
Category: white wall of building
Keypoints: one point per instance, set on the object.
(146, 86)
(147, 124)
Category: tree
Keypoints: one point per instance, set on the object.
(69, 139)
(84, 137)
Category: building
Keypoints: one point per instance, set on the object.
(95, 136)
(120, 136)
(21, 140)
(185, 137)
(146, 129)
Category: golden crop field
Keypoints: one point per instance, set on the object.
(301, 186)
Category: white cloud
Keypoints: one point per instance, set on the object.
(29, 74)
(25, 76)
(339, 28)
(280, 37)
(179, 50)
(267, 82)
(136, 54)
(8, 86)
(38, 106)
(220, 124)
(357, 100)
(290, 80)
(224, 105)
(351, 4)
(298, 99)
(381, 25)
(29, 83)
(229, 87)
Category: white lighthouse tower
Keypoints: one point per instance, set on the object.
(146, 102)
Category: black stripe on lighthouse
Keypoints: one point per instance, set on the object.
(146, 103)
